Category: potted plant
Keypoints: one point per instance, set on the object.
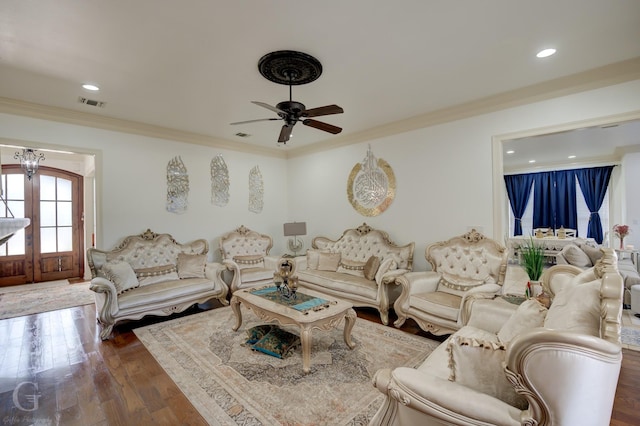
(532, 259)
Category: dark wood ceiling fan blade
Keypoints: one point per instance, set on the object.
(324, 110)
(267, 106)
(285, 133)
(323, 126)
(254, 121)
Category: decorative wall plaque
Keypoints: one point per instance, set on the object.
(256, 190)
(371, 186)
(219, 181)
(177, 186)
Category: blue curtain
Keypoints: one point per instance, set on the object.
(518, 190)
(594, 183)
(543, 200)
(565, 213)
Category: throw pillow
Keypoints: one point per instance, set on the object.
(478, 364)
(277, 342)
(249, 261)
(530, 314)
(121, 274)
(351, 267)
(371, 267)
(594, 253)
(157, 274)
(254, 334)
(191, 265)
(576, 308)
(313, 257)
(575, 256)
(329, 261)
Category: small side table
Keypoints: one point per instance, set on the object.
(633, 255)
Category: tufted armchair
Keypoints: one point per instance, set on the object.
(463, 268)
(246, 254)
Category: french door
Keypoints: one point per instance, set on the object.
(52, 246)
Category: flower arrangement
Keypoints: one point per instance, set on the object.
(621, 231)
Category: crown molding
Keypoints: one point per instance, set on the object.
(596, 78)
(63, 115)
(608, 75)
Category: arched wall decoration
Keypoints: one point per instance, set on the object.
(177, 186)
(219, 181)
(256, 190)
(371, 186)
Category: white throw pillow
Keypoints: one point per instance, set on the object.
(576, 308)
(351, 267)
(478, 364)
(121, 274)
(530, 314)
(157, 274)
(313, 257)
(191, 265)
(329, 261)
(594, 253)
(575, 256)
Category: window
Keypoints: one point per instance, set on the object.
(56, 218)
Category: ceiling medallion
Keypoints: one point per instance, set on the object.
(371, 186)
(289, 67)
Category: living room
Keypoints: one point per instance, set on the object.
(447, 159)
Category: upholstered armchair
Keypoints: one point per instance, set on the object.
(464, 268)
(246, 254)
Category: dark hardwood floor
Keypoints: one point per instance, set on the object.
(80, 380)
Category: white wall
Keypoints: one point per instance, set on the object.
(444, 176)
(131, 174)
(443, 173)
(631, 209)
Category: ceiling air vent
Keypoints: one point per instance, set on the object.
(242, 135)
(91, 102)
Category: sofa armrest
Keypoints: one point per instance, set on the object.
(106, 298)
(419, 282)
(390, 276)
(442, 399)
(484, 291)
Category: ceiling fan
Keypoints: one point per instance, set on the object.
(294, 68)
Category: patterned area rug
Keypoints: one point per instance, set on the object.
(631, 336)
(30, 299)
(229, 384)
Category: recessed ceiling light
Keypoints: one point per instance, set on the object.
(510, 151)
(91, 87)
(532, 161)
(545, 53)
(571, 156)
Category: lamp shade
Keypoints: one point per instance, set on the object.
(295, 228)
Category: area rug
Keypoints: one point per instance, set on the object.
(229, 384)
(631, 336)
(31, 299)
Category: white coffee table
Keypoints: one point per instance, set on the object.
(324, 319)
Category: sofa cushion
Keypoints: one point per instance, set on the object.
(351, 267)
(329, 261)
(594, 253)
(121, 274)
(191, 265)
(530, 314)
(255, 274)
(576, 308)
(371, 267)
(457, 285)
(157, 274)
(336, 281)
(249, 261)
(145, 296)
(575, 256)
(478, 364)
(444, 305)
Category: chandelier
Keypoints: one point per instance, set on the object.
(29, 161)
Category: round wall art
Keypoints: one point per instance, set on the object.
(371, 186)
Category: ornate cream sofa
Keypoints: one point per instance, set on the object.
(464, 267)
(361, 267)
(246, 254)
(521, 365)
(151, 274)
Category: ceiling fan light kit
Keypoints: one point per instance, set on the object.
(293, 68)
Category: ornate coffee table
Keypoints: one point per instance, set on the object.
(326, 318)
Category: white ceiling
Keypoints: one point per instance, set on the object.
(192, 65)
